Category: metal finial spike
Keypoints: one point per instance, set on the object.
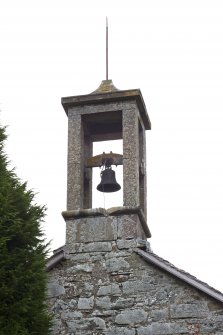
(106, 48)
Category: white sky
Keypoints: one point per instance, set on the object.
(173, 52)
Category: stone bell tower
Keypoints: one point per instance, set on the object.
(106, 280)
(106, 114)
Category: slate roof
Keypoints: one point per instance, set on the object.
(151, 258)
(57, 257)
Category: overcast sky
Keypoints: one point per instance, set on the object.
(173, 52)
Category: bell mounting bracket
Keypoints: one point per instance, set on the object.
(105, 159)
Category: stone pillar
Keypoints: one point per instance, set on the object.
(88, 152)
(142, 168)
(131, 156)
(75, 164)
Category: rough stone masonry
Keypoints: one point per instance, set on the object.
(103, 286)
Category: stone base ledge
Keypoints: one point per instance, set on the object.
(113, 211)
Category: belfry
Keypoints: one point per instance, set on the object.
(107, 114)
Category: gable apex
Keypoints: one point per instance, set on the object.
(151, 258)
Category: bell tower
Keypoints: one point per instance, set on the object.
(106, 114)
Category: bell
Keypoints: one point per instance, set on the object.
(108, 182)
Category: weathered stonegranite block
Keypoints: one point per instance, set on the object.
(112, 289)
(89, 247)
(115, 254)
(131, 317)
(81, 267)
(163, 328)
(116, 264)
(88, 287)
(75, 325)
(55, 290)
(133, 287)
(91, 229)
(195, 310)
(105, 313)
(159, 314)
(123, 303)
(97, 246)
(103, 302)
(99, 323)
(66, 315)
(120, 331)
(80, 258)
(128, 226)
(85, 303)
(126, 244)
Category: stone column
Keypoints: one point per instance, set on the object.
(130, 128)
(142, 168)
(75, 165)
(88, 152)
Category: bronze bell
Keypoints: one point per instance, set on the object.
(108, 182)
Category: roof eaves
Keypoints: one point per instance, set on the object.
(55, 259)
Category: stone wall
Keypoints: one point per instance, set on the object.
(115, 292)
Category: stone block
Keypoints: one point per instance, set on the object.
(134, 286)
(131, 317)
(86, 303)
(126, 244)
(55, 290)
(103, 302)
(115, 254)
(88, 287)
(123, 303)
(91, 229)
(159, 314)
(116, 264)
(97, 247)
(89, 247)
(104, 313)
(75, 325)
(120, 331)
(80, 258)
(81, 268)
(187, 311)
(127, 226)
(72, 304)
(99, 323)
(112, 289)
(162, 328)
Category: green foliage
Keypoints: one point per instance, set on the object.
(23, 277)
